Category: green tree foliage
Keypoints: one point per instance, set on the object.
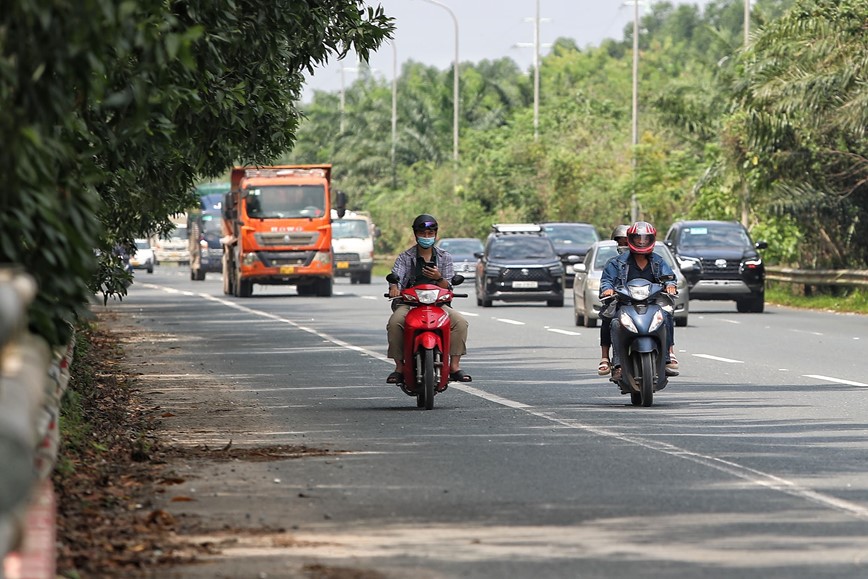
(111, 111)
(798, 133)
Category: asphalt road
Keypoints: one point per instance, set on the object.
(751, 463)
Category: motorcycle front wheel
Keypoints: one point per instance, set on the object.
(428, 380)
(647, 386)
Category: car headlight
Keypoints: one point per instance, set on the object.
(751, 263)
(594, 285)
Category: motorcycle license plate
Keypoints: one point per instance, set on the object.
(525, 284)
(343, 265)
(287, 269)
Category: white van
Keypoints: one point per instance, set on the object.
(353, 245)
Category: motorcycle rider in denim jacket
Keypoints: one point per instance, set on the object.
(641, 237)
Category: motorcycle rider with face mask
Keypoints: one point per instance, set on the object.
(424, 263)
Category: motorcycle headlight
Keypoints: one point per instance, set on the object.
(427, 296)
(627, 323)
(640, 292)
(655, 323)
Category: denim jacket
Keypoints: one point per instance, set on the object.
(615, 272)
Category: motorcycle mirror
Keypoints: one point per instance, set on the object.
(457, 279)
(392, 278)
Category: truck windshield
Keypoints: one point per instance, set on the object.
(343, 229)
(286, 201)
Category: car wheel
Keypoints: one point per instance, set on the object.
(590, 322)
(752, 305)
(681, 322)
(555, 303)
(580, 319)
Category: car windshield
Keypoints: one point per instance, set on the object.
(285, 201)
(347, 228)
(725, 235)
(143, 244)
(461, 246)
(522, 248)
(567, 235)
(604, 254)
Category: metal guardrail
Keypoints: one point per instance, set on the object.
(33, 379)
(831, 277)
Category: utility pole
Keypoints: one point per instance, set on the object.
(536, 62)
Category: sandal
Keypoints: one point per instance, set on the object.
(616, 374)
(604, 368)
(395, 378)
(672, 363)
(459, 376)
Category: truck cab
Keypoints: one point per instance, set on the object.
(353, 245)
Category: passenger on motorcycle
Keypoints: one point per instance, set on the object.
(424, 263)
(639, 262)
(619, 235)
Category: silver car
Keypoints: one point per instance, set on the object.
(463, 251)
(586, 289)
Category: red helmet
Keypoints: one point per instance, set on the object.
(641, 237)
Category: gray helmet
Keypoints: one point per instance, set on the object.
(619, 231)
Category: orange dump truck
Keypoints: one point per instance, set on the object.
(277, 229)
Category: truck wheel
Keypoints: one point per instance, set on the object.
(245, 288)
(365, 277)
(324, 288)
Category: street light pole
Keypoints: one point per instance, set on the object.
(745, 207)
(454, 81)
(344, 69)
(634, 205)
(536, 45)
(394, 108)
(536, 74)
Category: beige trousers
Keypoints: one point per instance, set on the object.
(395, 331)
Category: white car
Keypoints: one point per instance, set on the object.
(143, 258)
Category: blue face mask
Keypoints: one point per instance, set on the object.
(425, 242)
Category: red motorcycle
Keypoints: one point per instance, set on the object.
(426, 335)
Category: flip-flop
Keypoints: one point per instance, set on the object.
(460, 376)
(395, 378)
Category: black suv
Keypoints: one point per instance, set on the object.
(572, 241)
(519, 264)
(731, 267)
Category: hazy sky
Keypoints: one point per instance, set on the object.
(487, 29)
